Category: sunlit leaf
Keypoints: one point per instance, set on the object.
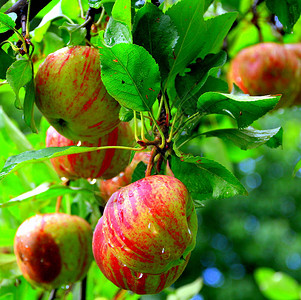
(244, 109)
(130, 75)
(277, 285)
(18, 75)
(205, 178)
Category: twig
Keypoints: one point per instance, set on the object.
(90, 18)
(19, 8)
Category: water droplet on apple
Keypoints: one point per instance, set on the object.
(93, 181)
(110, 244)
(165, 254)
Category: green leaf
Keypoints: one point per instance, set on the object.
(214, 84)
(277, 285)
(130, 75)
(139, 171)
(17, 75)
(8, 266)
(46, 191)
(205, 178)
(77, 33)
(125, 114)
(97, 3)
(188, 291)
(216, 31)
(155, 31)
(297, 167)
(17, 161)
(29, 102)
(188, 18)
(287, 11)
(244, 109)
(122, 12)
(7, 21)
(116, 33)
(190, 83)
(6, 61)
(249, 138)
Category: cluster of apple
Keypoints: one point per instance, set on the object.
(269, 68)
(148, 229)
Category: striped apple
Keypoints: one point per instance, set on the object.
(296, 50)
(53, 249)
(109, 186)
(71, 95)
(95, 164)
(267, 68)
(144, 239)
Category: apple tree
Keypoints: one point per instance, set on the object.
(108, 108)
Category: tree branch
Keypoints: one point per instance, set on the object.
(20, 8)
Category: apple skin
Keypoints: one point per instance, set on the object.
(267, 68)
(72, 97)
(109, 186)
(125, 278)
(53, 249)
(295, 49)
(148, 229)
(95, 164)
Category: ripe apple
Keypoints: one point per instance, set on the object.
(296, 49)
(144, 239)
(72, 97)
(109, 186)
(95, 164)
(267, 68)
(53, 249)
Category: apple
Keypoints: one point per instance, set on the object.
(295, 49)
(267, 68)
(72, 97)
(124, 277)
(95, 164)
(110, 186)
(53, 249)
(144, 239)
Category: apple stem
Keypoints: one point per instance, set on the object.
(255, 19)
(150, 164)
(59, 198)
(136, 126)
(58, 203)
(120, 294)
